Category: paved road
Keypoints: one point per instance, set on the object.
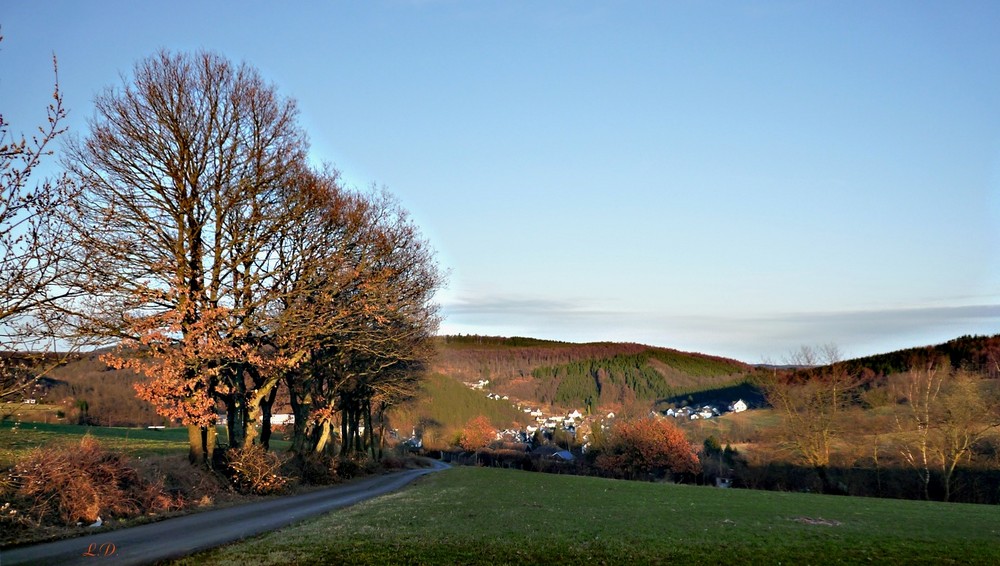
(173, 538)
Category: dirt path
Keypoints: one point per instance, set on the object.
(173, 538)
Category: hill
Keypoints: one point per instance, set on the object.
(530, 372)
(584, 376)
(978, 353)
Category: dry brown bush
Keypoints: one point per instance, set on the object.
(80, 483)
(255, 470)
(186, 483)
(647, 448)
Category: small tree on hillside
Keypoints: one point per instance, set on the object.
(812, 406)
(478, 432)
(647, 448)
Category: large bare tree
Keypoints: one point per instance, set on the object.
(185, 179)
(231, 267)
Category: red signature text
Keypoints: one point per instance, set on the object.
(106, 549)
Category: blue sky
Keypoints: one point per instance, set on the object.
(732, 178)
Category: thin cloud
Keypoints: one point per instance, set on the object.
(749, 338)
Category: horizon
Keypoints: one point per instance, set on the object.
(737, 181)
(786, 361)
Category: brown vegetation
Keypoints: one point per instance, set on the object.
(478, 432)
(80, 483)
(648, 448)
(256, 471)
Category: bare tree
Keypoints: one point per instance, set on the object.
(185, 179)
(812, 406)
(33, 252)
(944, 415)
(358, 313)
(230, 266)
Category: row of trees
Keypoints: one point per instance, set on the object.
(193, 234)
(931, 418)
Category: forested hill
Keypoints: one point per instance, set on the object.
(601, 374)
(977, 353)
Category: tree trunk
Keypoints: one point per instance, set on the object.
(300, 410)
(201, 441)
(368, 443)
(236, 421)
(324, 436)
(381, 430)
(266, 404)
(345, 438)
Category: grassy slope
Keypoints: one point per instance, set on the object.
(491, 516)
(445, 405)
(16, 440)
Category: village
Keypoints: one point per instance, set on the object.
(573, 421)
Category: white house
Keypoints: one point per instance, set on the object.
(281, 419)
(738, 407)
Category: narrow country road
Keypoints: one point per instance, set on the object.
(173, 538)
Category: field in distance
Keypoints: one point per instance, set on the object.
(17, 439)
(493, 516)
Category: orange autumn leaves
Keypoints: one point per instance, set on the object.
(647, 448)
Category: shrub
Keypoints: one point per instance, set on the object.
(79, 483)
(315, 469)
(393, 463)
(478, 432)
(354, 465)
(255, 470)
(647, 448)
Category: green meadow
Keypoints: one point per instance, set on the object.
(491, 516)
(16, 439)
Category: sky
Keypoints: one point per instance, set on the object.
(732, 178)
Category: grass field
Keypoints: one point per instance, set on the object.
(16, 440)
(492, 516)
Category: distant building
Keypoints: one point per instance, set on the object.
(281, 419)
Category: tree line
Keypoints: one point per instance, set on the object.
(189, 230)
(933, 418)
